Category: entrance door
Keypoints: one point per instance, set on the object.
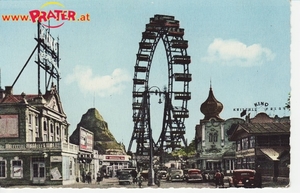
(39, 172)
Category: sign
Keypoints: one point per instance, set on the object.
(55, 159)
(17, 170)
(260, 105)
(115, 157)
(9, 126)
(48, 53)
(86, 140)
(55, 174)
(142, 158)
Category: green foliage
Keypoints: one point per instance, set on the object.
(185, 152)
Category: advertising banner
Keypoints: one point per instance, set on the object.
(86, 140)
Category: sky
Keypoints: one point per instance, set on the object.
(241, 48)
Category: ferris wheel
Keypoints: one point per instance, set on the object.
(176, 94)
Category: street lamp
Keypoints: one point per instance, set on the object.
(147, 93)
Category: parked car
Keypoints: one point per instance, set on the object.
(244, 178)
(125, 177)
(194, 175)
(175, 175)
(162, 174)
(144, 174)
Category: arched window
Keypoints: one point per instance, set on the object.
(45, 126)
(210, 137)
(51, 128)
(215, 137)
(16, 168)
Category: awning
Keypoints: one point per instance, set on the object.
(271, 153)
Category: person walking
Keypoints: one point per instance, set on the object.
(98, 177)
(222, 179)
(134, 176)
(83, 174)
(217, 178)
(89, 177)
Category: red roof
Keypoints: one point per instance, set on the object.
(17, 98)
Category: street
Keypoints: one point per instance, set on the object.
(113, 183)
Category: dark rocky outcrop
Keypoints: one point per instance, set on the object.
(103, 138)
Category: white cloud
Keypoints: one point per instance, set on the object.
(235, 53)
(101, 85)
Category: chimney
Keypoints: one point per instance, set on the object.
(8, 90)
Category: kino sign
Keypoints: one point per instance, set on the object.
(260, 105)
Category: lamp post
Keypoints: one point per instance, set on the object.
(146, 95)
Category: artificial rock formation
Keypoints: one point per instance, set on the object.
(104, 141)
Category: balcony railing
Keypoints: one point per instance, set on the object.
(50, 145)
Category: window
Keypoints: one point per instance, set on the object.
(45, 137)
(2, 168)
(45, 126)
(57, 133)
(210, 137)
(17, 168)
(215, 137)
(245, 143)
(30, 119)
(252, 142)
(71, 167)
(238, 145)
(30, 135)
(57, 130)
(37, 126)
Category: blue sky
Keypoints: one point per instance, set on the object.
(241, 46)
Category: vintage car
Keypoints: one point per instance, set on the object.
(125, 177)
(194, 175)
(244, 178)
(162, 174)
(144, 174)
(175, 175)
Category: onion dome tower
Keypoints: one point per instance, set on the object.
(211, 108)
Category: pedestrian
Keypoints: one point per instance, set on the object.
(102, 174)
(134, 175)
(83, 174)
(140, 179)
(98, 177)
(222, 179)
(89, 177)
(217, 178)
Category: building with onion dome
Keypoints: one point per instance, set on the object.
(214, 151)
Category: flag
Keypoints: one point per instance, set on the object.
(243, 113)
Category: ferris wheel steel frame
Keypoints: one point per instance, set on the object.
(165, 28)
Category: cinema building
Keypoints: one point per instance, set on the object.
(34, 146)
(263, 143)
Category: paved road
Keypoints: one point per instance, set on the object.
(113, 183)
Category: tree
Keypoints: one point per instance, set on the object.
(190, 150)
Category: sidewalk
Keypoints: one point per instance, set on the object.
(281, 181)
